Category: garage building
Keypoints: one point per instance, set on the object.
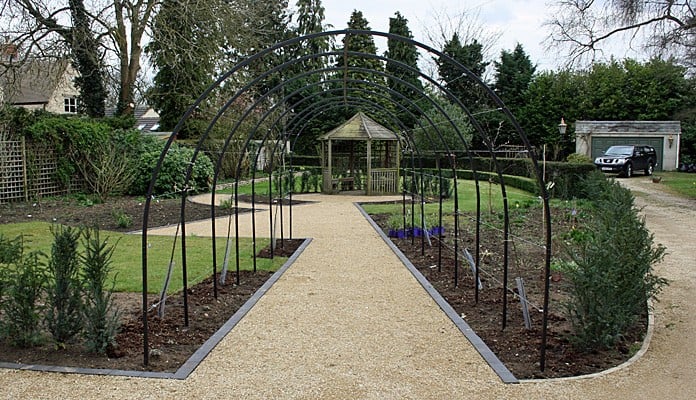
(592, 138)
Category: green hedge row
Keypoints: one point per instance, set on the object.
(566, 178)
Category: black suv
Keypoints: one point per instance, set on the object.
(627, 159)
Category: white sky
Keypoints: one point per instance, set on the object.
(518, 21)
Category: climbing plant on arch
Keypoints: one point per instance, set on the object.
(270, 122)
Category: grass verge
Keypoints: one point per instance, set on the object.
(127, 256)
(680, 183)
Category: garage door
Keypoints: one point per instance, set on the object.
(600, 144)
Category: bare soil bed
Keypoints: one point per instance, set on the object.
(517, 347)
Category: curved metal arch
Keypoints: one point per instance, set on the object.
(390, 92)
(349, 32)
(464, 142)
(263, 98)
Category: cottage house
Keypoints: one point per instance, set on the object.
(40, 84)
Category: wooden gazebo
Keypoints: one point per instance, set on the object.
(360, 155)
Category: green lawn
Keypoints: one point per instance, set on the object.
(491, 198)
(679, 183)
(127, 256)
(261, 188)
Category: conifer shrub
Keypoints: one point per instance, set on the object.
(64, 288)
(611, 271)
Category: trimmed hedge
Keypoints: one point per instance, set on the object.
(519, 173)
(520, 182)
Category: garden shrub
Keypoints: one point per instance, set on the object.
(611, 268)
(96, 151)
(316, 180)
(172, 175)
(101, 316)
(577, 158)
(21, 308)
(72, 139)
(123, 220)
(64, 290)
(10, 249)
(284, 180)
(230, 158)
(567, 178)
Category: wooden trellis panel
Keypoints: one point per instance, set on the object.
(27, 171)
(41, 170)
(12, 182)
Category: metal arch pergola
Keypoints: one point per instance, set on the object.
(321, 106)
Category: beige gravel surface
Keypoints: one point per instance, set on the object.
(348, 321)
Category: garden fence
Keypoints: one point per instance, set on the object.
(27, 171)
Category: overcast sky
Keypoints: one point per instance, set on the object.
(516, 20)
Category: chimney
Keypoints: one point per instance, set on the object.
(9, 51)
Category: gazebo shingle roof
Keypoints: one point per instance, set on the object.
(360, 127)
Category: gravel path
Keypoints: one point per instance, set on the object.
(348, 321)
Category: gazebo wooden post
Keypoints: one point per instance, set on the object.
(398, 164)
(328, 175)
(369, 168)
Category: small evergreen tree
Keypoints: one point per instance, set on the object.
(64, 290)
(405, 53)
(23, 284)
(101, 314)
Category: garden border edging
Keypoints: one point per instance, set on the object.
(639, 354)
(196, 358)
(493, 361)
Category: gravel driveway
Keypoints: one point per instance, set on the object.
(331, 329)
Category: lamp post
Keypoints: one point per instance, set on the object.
(562, 127)
(562, 130)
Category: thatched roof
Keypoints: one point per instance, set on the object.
(360, 127)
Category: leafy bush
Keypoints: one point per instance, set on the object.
(172, 175)
(72, 139)
(611, 272)
(64, 290)
(109, 169)
(98, 151)
(567, 177)
(304, 181)
(284, 180)
(576, 158)
(123, 220)
(230, 158)
(100, 312)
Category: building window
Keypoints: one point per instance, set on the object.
(70, 105)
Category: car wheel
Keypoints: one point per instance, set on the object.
(650, 169)
(628, 170)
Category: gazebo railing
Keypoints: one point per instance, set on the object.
(384, 180)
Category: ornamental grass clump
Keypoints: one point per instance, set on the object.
(611, 272)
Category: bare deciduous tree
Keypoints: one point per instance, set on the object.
(467, 25)
(49, 28)
(663, 28)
